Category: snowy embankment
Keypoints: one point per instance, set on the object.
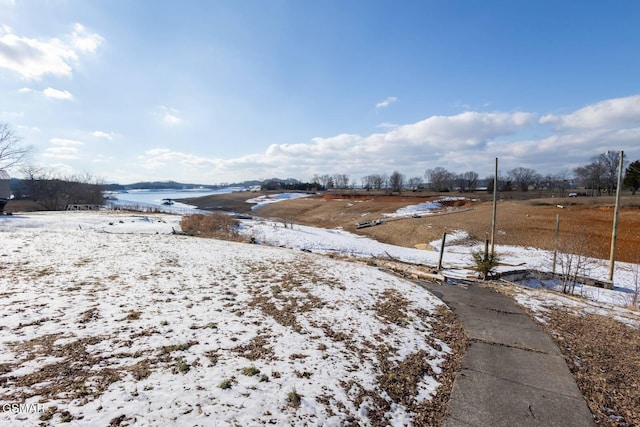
(457, 258)
(275, 198)
(109, 318)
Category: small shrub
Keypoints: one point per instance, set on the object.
(293, 398)
(181, 366)
(216, 225)
(250, 371)
(225, 384)
(133, 315)
(485, 263)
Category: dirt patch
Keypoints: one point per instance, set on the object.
(604, 357)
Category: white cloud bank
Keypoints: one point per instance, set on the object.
(32, 59)
(604, 114)
(461, 142)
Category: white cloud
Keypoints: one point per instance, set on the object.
(459, 142)
(57, 94)
(607, 113)
(414, 146)
(168, 115)
(161, 157)
(100, 134)
(33, 58)
(68, 153)
(65, 142)
(387, 125)
(12, 114)
(25, 90)
(83, 41)
(383, 104)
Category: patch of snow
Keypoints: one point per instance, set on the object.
(425, 208)
(274, 198)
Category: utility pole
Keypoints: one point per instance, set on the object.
(614, 233)
(493, 220)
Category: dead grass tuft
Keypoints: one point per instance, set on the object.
(258, 348)
(392, 307)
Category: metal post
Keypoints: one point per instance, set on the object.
(444, 236)
(614, 233)
(555, 246)
(493, 220)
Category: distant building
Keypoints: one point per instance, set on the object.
(5, 190)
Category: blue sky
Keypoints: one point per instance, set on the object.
(224, 91)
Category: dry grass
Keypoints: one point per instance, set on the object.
(399, 380)
(216, 225)
(604, 357)
(529, 223)
(73, 376)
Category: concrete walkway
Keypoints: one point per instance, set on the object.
(513, 374)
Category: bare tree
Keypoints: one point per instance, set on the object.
(415, 182)
(341, 180)
(469, 181)
(610, 162)
(12, 152)
(574, 259)
(504, 184)
(321, 180)
(591, 177)
(55, 193)
(601, 173)
(522, 178)
(440, 179)
(396, 181)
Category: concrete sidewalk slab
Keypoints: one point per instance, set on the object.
(512, 374)
(514, 364)
(480, 399)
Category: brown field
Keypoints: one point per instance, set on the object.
(519, 222)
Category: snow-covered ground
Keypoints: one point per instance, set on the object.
(110, 318)
(457, 259)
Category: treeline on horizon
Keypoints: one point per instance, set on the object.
(598, 176)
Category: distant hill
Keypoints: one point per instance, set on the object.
(174, 185)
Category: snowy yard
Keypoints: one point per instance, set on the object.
(110, 318)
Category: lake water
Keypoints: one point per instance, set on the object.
(154, 199)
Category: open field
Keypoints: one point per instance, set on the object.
(153, 323)
(111, 319)
(528, 223)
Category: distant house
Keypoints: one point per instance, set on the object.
(5, 191)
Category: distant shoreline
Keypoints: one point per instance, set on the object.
(228, 202)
